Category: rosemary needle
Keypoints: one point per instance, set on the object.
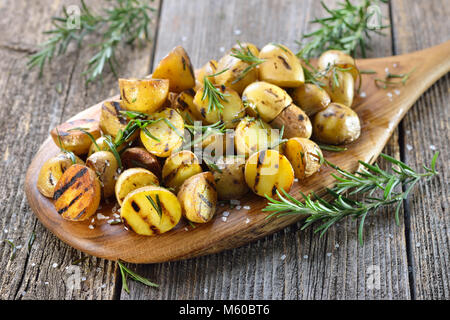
(125, 272)
(213, 94)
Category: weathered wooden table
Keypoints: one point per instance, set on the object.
(411, 261)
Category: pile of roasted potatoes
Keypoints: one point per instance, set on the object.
(179, 141)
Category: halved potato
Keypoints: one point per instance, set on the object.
(161, 138)
(233, 109)
(51, 171)
(132, 179)
(281, 67)
(207, 114)
(253, 135)
(177, 68)
(150, 210)
(198, 197)
(105, 166)
(265, 100)
(208, 69)
(179, 167)
(229, 178)
(143, 95)
(138, 157)
(111, 118)
(184, 104)
(344, 92)
(295, 122)
(76, 140)
(310, 98)
(338, 58)
(304, 156)
(77, 194)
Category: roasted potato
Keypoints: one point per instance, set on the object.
(253, 135)
(105, 166)
(281, 66)
(52, 170)
(338, 58)
(132, 179)
(177, 68)
(337, 124)
(229, 177)
(150, 210)
(77, 194)
(103, 146)
(179, 167)
(160, 138)
(184, 104)
(111, 118)
(208, 69)
(234, 77)
(268, 171)
(310, 98)
(265, 100)
(304, 156)
(138, 157)
(67, 137)
(342, 93)
(143, 95)
(198, 197)
(295, 122)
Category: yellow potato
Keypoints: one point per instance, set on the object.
(338, 58)
(268, 171)
(150, 210)
(111, 118)
(229, 178)
(208, 69)
(295, 122)
(344, 92)
(265, 100)
(281, 67)
(105, 165)
(179, 167)
(163, 139)
(310, 98)
(51, 171)
(304, 156)
(132, 179)
(76, 141)
(177, 68)
(77, 193)
(337, 124)
(198, 197)
(253, 135)
(143, 95)
(184, 104)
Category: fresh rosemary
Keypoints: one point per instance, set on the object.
(13, 249)
(71, 155)
(386, 82)
(346, 28)
(213, 94)
(247, 56)
(156, 205)
(84, 130)
(126, 22)
(125, 272)
(331, 148)
(367, 180)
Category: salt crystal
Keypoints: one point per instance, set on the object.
(237, 32)
(116, 215)
(92, 220)
(395, 65)
(206, 290)
(46, 282)
(409, 147)
(110, 221)
(103, 286)
(363, 94)
(19, 247)
(328, 254)
(83, 279)
(183, 38)
(247, 220)
(5, 231)
(397, 92)
(238, 207)
(418, 244)
(283, 257)
(246, 207)
(226, 213)
(222, 49)
(224, 219)
(305, 257)
(336, 245)
(91, 226)
(235, 202)
(295, 180)
(432, 147)
(386, 70)
(389, 94)
(101, 216)
(33, 264)
(54, 265)
(186, 229)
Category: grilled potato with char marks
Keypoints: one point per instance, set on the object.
(253, 135)
(179, 167)
(304, 156)
(184, 104)
(229, 178)
(111, 118)
(295, 122)
(208, 69)
(76, 140)
(132, 179)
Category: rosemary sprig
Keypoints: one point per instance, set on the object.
(13, 249)
(205, 130)
(386, 82)
(113, 148)
(61, 147)
(346, 28)
(156, 205)
(247, 56)
(331, 148)
(84, 130)
(213, 94)
(125, 272)
(31, 241)
(314, 76)
(367, 180)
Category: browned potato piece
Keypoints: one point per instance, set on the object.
(296, 123)
(184, 104)
(229, 178)
(281, 67)
(105, 166)
(253, 135)
(304, 156)
(177, 68)
(75, 140)
(338, 58)
(179, 167)
(77, 193)
(111, 119)
(310, 98)
(337, 124)
(140, 158)
(143, 95)
(198, 197)
(233, 77)
(208, 69)
(344, 92)
(51, 171)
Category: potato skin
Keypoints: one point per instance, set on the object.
(198, 197)
(143, 95)
(111, 119)
(74, 140)
(184, 104)
(77, 194)
(132, 179)
(281, 67)
(140, 216)
(295, 121)
(265, 100)
(208, 69)
(343, 93)
(138, 157)
(253, 135)
(179, 167)
(310, 98)
(304, 156)
(105, 165)
(337, 124)
(177, 68)
(230, 180)
(51, 171)
(268, 171)
(338, 58)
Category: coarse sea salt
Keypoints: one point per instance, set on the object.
(237, 32)
(54, 265)
(363, 94)
(409, 147)
(397, 92)
(247, 220)
(283, 257)
(91, 226)
(224, 219)
(247, 208)
(226, 213)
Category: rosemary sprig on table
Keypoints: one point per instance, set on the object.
(331, 148)
(245, 55)
(367, 180)
(346, 28)
(213, 94)
(125, 272)
(126, 22)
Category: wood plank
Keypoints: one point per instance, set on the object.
(29, 109)
(417, 25)
(288, 264)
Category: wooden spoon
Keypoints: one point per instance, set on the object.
(380, 112)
